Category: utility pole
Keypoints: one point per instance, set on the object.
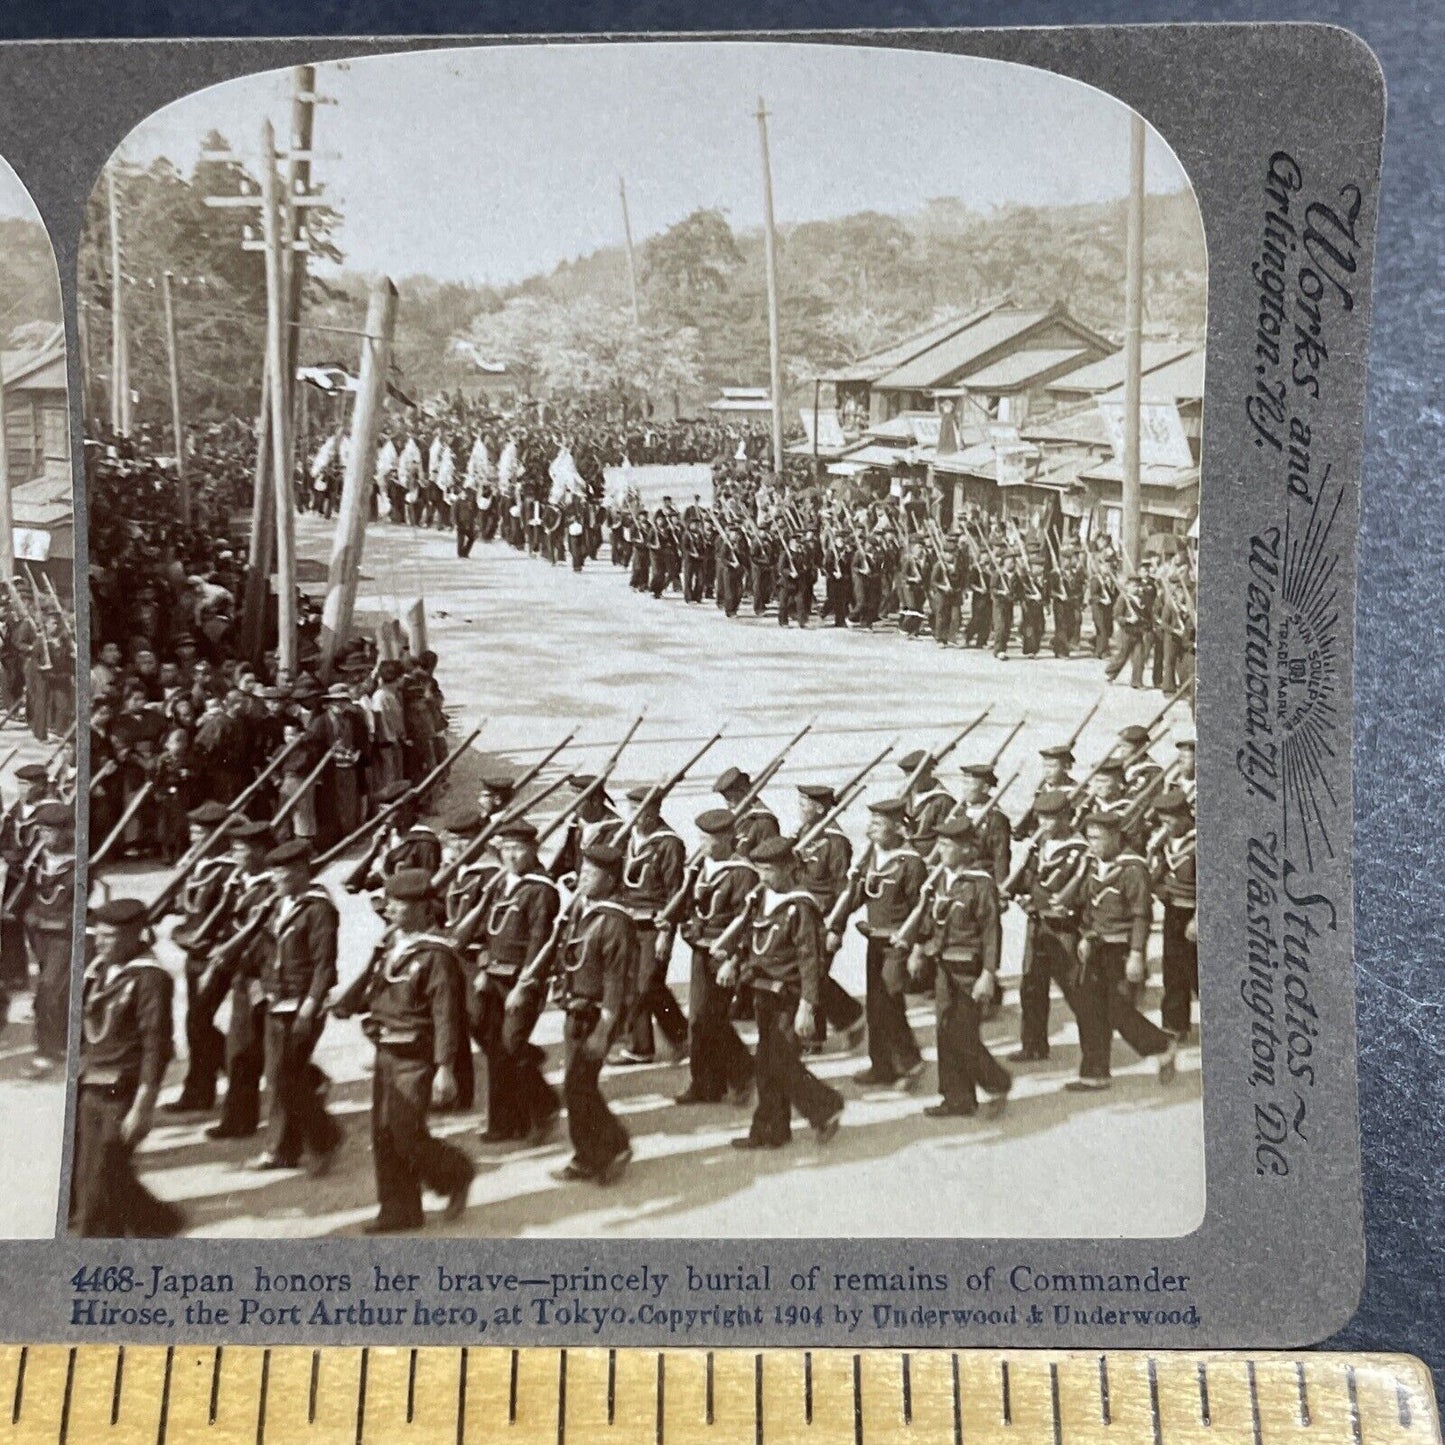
(118, 381)
(298, 185)
(176, 426)
(263, 529)
(770, 253)
(264, 523)
(276, 239)
(356, 486)
(1133, 342)
(631, 258)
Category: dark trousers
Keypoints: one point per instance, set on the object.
(836, 1006)
(784, 1081)
(1106, 1005)
(980, 620)
(1181, 972)
(730, 589)
(1131, 650)
(719, 1059)
(1049, 958)
(245, 1063)
(945, 616)
(693, 578)
(1003, 623)
(964, 1064)
(762, 587)
(205, 1043)
(654, 1000)
(296, 1117)
(1031, 626)
(107, 1200)
(892, 1048)
(1067, 624)
(1103, 614)
(597, 1137)
(838, 592)
(405, 1154)
(14, 958)
(51, 948)
(518, 1097)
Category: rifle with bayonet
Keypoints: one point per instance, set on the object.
(197, 851)
(477, 846)
(304, 787)
(375, 827)
(539, 969)
(672, 912)
(843, 799)
(58, 749)
(115, 834)
(597, 785)
(932, 760)
(658, 791)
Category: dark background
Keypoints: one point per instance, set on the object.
(1399, 742)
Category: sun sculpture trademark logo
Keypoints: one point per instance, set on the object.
(1307, 674)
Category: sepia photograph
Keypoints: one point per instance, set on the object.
(37, 719)
(642, 619)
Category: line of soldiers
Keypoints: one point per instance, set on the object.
(481, 934)
(37, 900)
(985, 583)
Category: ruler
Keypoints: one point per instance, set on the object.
(151, 1395)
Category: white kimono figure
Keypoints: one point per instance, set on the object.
(385, 465)
(408, 471)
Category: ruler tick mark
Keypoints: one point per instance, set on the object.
(261, 1398)
(1304, 1398)
(661, 1387)
(708, 1401)
(512, 1393)
(1354, 1394)
(315, 1381)
(561, 1397)
(757, 1400)
(1054, 1402)
(1154, 1401)
(1106, 1413)
(1203, 1379)
(411, 1389)
(857, 1400)
(808, 1386)
(1255, 1421)
(65, 1401)
(361, 1394)
(19, 1385)
(1008, 1412)
(116, 1387)
(611, 1386)
(1402, 1406)
(214, 1405)
(907, 1390)
(462, 1397)
(957, 1405)
(165, 1397)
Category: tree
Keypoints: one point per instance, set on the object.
(219, 287)
(690, 261)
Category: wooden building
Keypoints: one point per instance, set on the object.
(37, 436)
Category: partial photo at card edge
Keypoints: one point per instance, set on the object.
(1287, 187)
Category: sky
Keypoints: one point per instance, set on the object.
(492, 164)
(15, 202)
